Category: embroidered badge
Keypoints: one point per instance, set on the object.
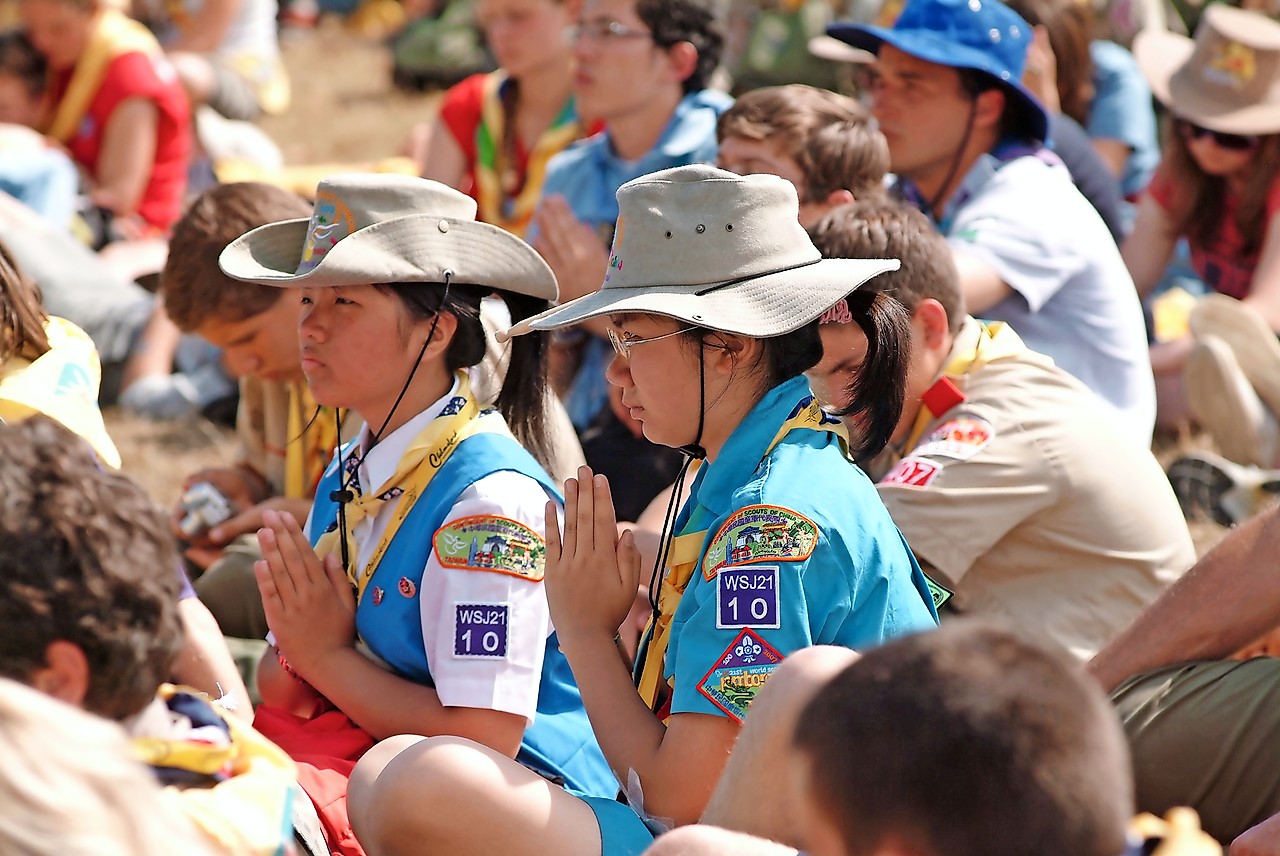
(747, 597)
(1232, 65)
(938, 592)
(959, 438)
(378, 594)
(736, 678)
(331, 221)
(480, 629)
(912, 472)
(489, 543)
(615, 257)
(454, 405)
(407, 587)
(760, 532)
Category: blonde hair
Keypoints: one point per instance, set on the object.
(70, 786)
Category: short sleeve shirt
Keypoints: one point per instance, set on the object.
(1073, 299)
(1122, 110)
(1030, 501)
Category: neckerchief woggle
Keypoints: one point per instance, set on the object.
(686, 553)
(460, 419)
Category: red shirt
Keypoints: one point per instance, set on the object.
(137, 75)
(1221, 264)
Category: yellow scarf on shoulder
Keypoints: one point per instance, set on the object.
(114, 34)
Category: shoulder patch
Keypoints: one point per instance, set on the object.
(960, 438)
(736, 678)
(940, 593)
(490, 543)
(760, 532)
(913, 472)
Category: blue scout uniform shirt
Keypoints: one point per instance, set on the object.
(766, 586)
(560, 742)
(588, 174)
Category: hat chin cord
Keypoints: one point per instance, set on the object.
(344, 493)
(955, 162)
(691, 451)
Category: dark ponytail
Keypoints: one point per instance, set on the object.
(876, 391)
(522, 399)
(22, 317)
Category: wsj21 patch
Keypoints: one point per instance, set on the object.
(747, 597)
(481, 629)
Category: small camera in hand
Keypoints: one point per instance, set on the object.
(205, 508)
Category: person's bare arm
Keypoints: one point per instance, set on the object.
(204, 661)
(207, 27)
(1264, 292)
(981, 284)
(128, 155)
(443, 159)
(1228, 599)
(1149, 247)
(1114, 153)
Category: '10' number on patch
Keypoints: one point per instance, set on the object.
(747, 597)
(480, 629)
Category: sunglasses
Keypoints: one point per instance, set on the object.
(1232, 142)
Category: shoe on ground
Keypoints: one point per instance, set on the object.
(1227, 493)
(1224, 402)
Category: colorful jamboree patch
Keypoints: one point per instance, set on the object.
(760, 532)
(480, 629)
(959, 438)
(913, 472)
(490, 543)
(736, 678)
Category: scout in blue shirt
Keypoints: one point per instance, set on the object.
(713, 296)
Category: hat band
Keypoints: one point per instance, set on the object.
(750, 276)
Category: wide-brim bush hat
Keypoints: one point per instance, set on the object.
(716, 250)
(1226, 79)
(984, 35)
(381, 228)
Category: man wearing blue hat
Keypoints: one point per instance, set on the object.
(967, 142)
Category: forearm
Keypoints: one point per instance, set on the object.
(384, 704)
(1224, 602)
(1267, 306)
(205, 663)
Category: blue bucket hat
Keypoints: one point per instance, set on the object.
(984, 35)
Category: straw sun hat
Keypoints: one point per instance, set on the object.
(1227, 79)
(717, 250)
(370, 228)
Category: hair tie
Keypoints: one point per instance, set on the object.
(838, 314)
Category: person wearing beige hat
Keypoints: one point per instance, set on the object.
(1218, 186)
(713, 296)
(420, 610)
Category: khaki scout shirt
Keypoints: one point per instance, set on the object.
(1036, 506)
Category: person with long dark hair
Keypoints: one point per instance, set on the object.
(713, 297)
(420, 609)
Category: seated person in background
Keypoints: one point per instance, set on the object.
(31, 169)
(643, 68)
(825, 144)
(496, 132)
(1218, 186)
(966, 141)
(969, 741)
(72, 786)
(89, 600)
(1204, 726)
(116, 104)
(225, 52)
(1014, 485)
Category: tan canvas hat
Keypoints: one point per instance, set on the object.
(1227, 79)
(375, 228)
(718, 250)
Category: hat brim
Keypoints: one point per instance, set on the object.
(931, 47)
(761, 307)
(415, 248)
(826, 47)
(1163, 55)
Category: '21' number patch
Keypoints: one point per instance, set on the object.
(747, 597)
(480, 629)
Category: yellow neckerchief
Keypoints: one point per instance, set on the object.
(418, 465)
(313, 434)
(493, 199)
(995, 341)
(686, 552)
(114, 34)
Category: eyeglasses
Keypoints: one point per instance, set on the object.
(622, 347)
(1232, 142)
(599, 31)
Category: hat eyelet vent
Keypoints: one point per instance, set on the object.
(700, 229)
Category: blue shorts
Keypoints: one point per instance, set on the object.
(622, 832)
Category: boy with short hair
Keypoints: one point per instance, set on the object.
(824, 143)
